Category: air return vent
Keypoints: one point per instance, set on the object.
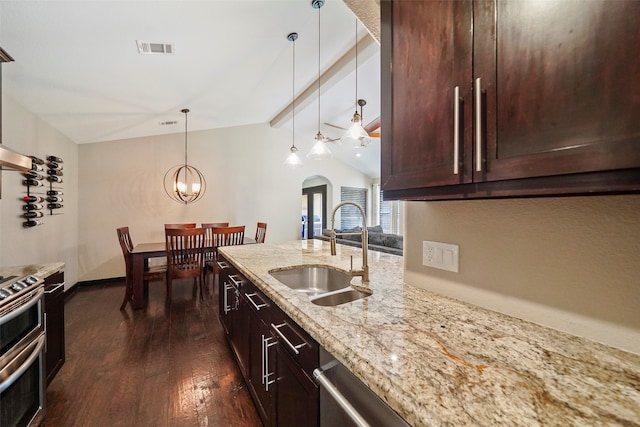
(150, 48)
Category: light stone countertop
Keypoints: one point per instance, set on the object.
(39, 270)
(439, 361)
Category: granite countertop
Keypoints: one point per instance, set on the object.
(38, 270)
(439, 361)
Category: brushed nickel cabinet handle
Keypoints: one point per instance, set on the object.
(478, 97)
(456, 129)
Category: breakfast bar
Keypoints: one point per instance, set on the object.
(435, 360)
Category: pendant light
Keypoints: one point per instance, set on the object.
(319, 151)
(184, 183)
(356, 135)
(293, 160)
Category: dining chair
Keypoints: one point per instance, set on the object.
(222, 236)
(261, 232)
(185, 256)
(208, 240)
(158, 272)
(185, 225)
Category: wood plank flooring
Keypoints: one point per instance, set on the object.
(153, 367)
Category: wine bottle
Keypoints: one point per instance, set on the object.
(33, 199)
(32, 222)
(33, 214)
(32, 207)
(54, 159)
(33, 182)
(37, 160)
(54, 199)
(54, 193)
(36, 167)
(33, 175)
(55, 172)
(54, 165)
(54, 178)
(54, 206)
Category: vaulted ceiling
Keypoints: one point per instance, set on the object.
(77, 66)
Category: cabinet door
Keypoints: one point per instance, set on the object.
(262, 372)
(561, 83)
(297, 396)
(240, 322)
(426, 49)
(225, 295)
(54, 324)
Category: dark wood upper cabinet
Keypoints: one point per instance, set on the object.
(499, 98)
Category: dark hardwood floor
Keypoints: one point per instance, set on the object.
(152, 367)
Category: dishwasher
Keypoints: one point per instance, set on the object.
(347, 401)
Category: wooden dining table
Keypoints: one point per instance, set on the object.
(140, 256)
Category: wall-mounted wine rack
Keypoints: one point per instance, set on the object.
(44, 189)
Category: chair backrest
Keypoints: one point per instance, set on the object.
(126, 245)
(227, 236)
(185, 255)
(174, 226)
(208, 242)
(261, 232)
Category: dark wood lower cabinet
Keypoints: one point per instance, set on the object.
(275, 355)
(54, 323)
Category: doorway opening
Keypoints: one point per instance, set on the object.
(314, 211)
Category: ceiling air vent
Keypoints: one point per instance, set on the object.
(149, 48)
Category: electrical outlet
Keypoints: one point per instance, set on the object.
(440, 255)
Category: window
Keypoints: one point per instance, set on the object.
(350, 215)
(390, 214)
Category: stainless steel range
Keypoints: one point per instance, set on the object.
(22, 351)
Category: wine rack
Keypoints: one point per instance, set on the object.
(44, 190)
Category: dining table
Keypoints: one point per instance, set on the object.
(140, 256)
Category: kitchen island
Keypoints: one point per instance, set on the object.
(437, 361)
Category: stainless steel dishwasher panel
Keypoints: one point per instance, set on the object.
(347, 401)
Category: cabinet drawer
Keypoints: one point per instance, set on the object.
(299, 344)
(259, 303)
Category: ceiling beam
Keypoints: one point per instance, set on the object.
(367, 47)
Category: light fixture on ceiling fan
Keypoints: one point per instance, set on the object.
(184, 183)
(293, 160)
(319, 151)
(356, 135)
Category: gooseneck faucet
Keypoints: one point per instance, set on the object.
(364, 273)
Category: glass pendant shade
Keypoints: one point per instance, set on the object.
(184, 183)
(293, 160)
(319, 151)
(356, 135)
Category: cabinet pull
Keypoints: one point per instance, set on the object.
(256, 306)
(222, 265)
(54, 289)
(225, 299)
(456, 129)
(265, 361)
(235, 280)
(478, 96)
(285, 339)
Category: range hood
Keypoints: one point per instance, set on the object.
(10, 159)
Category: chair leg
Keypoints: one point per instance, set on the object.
(128, 293)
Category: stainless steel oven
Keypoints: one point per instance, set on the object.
(22, 352)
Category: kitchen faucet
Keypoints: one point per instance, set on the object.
(364, 273)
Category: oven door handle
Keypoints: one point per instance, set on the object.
(24, 366)
(35, 297)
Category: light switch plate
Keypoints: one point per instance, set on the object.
(444, 256)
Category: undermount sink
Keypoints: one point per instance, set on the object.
(331, 299)
(323, 285)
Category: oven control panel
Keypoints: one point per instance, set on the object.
(13, 286)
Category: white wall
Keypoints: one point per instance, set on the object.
(122, 185)
(570, 263)
(55, 240)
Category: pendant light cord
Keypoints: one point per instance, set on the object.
(319, 68)
(357, 66)
(293, 96)
(185, 138)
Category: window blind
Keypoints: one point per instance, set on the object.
(350, 215)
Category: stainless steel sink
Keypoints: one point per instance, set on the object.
(339, 297)
(323, 285)
(313, 280)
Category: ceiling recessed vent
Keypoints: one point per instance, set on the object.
(168, 122)
(149, 48)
